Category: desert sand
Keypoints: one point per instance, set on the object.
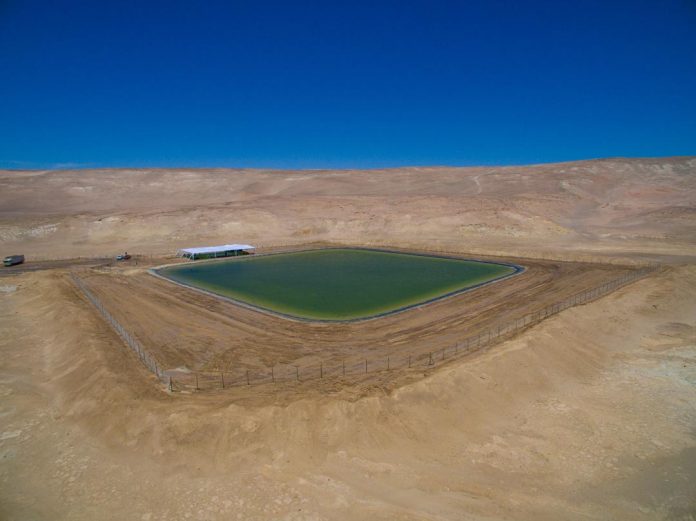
(590, 414)
(568, 210)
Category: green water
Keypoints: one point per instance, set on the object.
(336, 284)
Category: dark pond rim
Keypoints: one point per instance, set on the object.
(517, 269)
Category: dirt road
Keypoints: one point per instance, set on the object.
(51, 265)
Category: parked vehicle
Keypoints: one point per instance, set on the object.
(13, 260)
(123, 256)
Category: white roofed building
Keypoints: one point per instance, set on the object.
(212, 252)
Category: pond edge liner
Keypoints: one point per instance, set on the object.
(518, 269)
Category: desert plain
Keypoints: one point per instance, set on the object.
(588, 414)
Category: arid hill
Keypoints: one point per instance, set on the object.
(586, 208)
(589, 414)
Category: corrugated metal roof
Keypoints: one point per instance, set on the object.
(218, 249)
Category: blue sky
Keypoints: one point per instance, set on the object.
(343, 84)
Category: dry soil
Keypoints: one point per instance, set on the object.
(590, 414)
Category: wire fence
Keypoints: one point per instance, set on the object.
(353, 369)
(440, 249)
(145, 357)
(161, 254)
(53, 258)
(451, 249)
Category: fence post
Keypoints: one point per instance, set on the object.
(409, 361)
(170, 384)
(272, 374)
(297, 372)
(247, 372)
(430, 361)
(321, 369)
(222, 379)
(388, 364)
(197, 388)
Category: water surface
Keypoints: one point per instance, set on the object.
(336, 284)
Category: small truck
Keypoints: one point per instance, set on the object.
(123, 256)
(13, 260)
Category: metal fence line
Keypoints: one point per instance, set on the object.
(163, 254)
(290, 246)
(354, 368)
(145, 357)
(50, 258)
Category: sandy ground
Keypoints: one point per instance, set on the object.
(590, 414)
(568, 210)
(186, 329)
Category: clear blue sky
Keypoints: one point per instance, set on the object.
(336, 84)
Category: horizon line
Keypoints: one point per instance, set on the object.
(90, 166)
